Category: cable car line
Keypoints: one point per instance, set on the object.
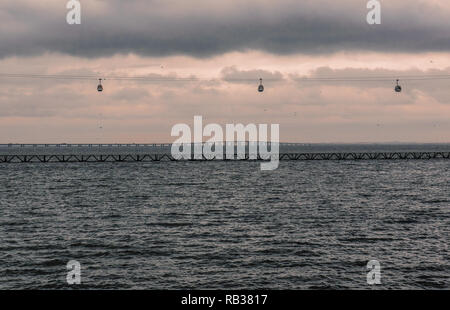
(182, 79)
(100, 87)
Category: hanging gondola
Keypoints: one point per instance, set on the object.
(398, 88)
(100, 86)
(261, 86)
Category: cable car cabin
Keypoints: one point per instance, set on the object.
(100, 86)
(398, 88)
(261, 86)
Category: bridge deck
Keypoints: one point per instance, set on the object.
(167, 157)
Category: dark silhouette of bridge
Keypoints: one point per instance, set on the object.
(98, 158)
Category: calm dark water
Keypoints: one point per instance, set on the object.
(225, 225)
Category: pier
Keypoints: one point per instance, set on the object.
(98, 158)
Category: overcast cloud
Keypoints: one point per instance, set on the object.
(203, 28)
(224, 47)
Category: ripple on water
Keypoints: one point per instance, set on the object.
(222, 225)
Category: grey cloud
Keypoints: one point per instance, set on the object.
(288, 94)
(37, 103)
(234, 75)
(205, 28)
(131, 94)
(382, 78)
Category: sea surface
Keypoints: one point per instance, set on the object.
(227, 225)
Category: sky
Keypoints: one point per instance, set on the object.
(226, 45)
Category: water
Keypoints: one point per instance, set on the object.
(225, 225)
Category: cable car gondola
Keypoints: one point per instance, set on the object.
(261, 86)
(398, 88)
(100, 86)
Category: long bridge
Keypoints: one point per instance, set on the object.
(117, 145)
(99, 158)
(75, 145)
